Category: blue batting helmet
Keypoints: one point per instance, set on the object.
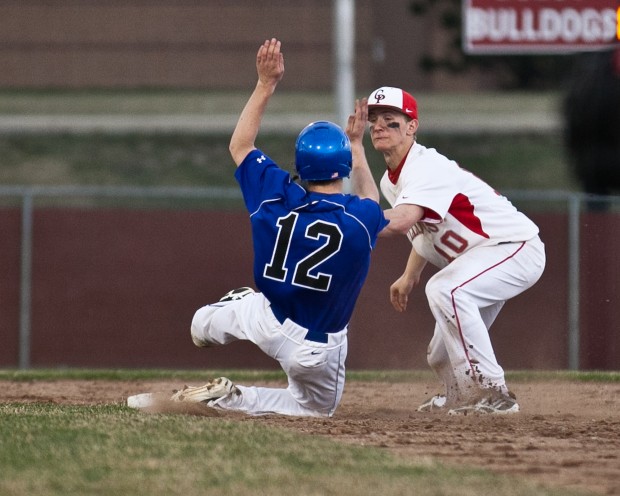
(322, 152)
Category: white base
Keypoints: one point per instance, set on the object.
(143, 400)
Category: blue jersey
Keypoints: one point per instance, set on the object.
(311, 250)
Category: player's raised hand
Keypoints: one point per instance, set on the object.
(270, 62)
(356, 125)
(270, 68)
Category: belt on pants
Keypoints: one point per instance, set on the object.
(316, 336)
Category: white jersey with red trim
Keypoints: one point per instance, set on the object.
(460, 210)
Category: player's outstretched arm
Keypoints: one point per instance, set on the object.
(362, 182)
(402, 218)
(270, 68)
(400, 289)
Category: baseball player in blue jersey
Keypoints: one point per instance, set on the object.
(312, 247)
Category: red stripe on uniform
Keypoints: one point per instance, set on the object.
(463, 211)
(456, 313)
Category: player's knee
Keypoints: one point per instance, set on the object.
(438, 292)
(201, 342)
(199, 328)
(198, 338)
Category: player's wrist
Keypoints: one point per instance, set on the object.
(266, 86)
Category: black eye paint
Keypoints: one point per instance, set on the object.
(394, 125)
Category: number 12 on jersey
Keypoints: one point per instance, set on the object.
(306, 267)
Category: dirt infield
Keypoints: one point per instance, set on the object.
(567, 435)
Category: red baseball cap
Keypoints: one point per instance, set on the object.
(394, 98)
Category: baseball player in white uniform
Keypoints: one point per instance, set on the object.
(486, 250)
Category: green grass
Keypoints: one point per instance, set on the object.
(101, 159)
(26, 101)
(520, 160)
(132, 374)
(506, 161)
(50, 449)
(111, 450)
(393, 376)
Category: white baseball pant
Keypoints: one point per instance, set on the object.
(315, 371)
(465, 297)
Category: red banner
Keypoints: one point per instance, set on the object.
(539, 26)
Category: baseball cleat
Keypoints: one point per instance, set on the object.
(213, 390)
(503, 404)
(237, 294)
(437, 402)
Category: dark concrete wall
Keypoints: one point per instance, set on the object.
(208, 44)
(118, 288)
(166, 43)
